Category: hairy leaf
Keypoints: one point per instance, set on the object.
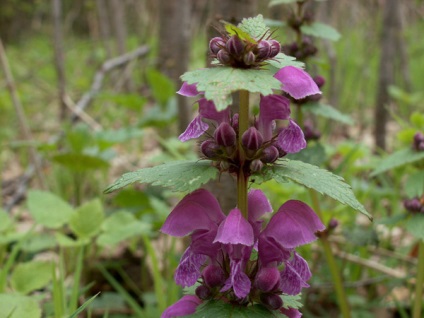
(317, 179)
(282, 60)
(329, 112)
(220, 309)
(291, 301)
(397, 159)
(179, 176)
(321, 30)
(255, 26)
(219, 82)
(415, 226)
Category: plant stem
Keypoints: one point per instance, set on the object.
(331, 261)
(242, 179)
(420, 281)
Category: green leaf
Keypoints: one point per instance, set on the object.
(39, 242)
(220, 309)
(321, 30)
(414, 186)
(318, 179)
(48, 209)
(291, 301)
(397, 159)
(329, 112)
(162, 87)
(120, 226)
(277, 2)
(282, 60)
(255, 26)
(313, 154)
(415, 226)
(83, 306)
(65, 241)
(87, 219)
(219, 82)
(18, 306)
(178, 175)
(233, 30)
(31, 276)
(80, 162)
(5, 220)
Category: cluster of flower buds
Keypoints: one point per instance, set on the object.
(414, 205)
(418, 143)
(235, 52)
(300, 51)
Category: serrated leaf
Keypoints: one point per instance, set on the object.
(233, 30)
(320, 180)
(5, 220)
(313, 154)
(277, 2)
(179, 176)
(321, 30)
(87, 219)
(219, 82)
(255, 26)
(281, 60)
(31, 276)
(80, 162)
(397, 159)
(18, 306)
(415, 226)
(414, 186)
(328, 111)
(291, 301)
(48, 209)
(220, 309)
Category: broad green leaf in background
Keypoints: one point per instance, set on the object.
(179, 176)
(320, 30)
(48, 209)
(87, 219)
(80, 162)
(320, 180)
(277, 2)
(38, 242)
(31, 276)
(415, 226)
(255, 26)
(5, 220)
(219, 82)
(414, 186)
(18, 306)
(397, 159)
(120, 226)
(220, 309)
(329, 112)
(162, 87)
(66, 241)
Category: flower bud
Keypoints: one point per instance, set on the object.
(235, 46)
(332, 224)
(418, 143)
(223, 57)
(203, 292)
(264, 49)
(275, 48)
(225, 135)
(216, 44)
(412, 205)
(319, 80)
(235, 121)
(252, 139)
(213, 276)
(256, 165)
(270, 154)
(249, 58)
(210, 149)
(267, 279)
(272, 301)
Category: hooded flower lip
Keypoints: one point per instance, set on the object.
(296, 82)
(185, 306)
(235, 229)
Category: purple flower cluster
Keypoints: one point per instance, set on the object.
(221, 256)
(263, 143)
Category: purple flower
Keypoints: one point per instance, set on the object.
(291, 312)
(296, 82)
(185, 306)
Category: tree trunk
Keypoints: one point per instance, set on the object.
(104, 27)
(174, 48)
(387, 71)
(59, 56)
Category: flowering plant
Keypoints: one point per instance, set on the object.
(241, 266)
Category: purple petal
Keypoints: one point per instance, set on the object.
(296, 82)
(258, 205)
(272, 107)
(235, 229)
(291, 313)
(293, 225)
(188, 270)
(270, 251)
(188, 90)
(238, 280)
(295, 275)
(291, 139)
(202, 242)
(208, 110)
(195, 129)
(185, 306)
(198, 210)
